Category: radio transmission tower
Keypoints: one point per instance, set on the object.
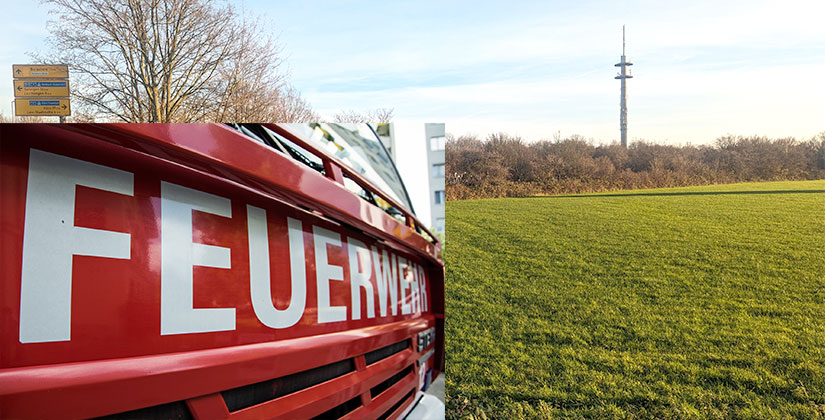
(623, 76)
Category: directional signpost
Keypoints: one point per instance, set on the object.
(38, 71)
(41, 90)
(48, 88)
(43, 107)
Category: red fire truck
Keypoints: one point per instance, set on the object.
(208, 271)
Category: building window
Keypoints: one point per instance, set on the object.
(438, 170)
(439, 225)
(437, 143)
(439, 197)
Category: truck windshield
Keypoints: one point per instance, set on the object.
(359, 148)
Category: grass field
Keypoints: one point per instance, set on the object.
(701, 302)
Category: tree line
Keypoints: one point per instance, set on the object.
(506, 166)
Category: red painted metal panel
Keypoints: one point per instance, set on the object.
(218, 150)
(116, 357)
(208, 407)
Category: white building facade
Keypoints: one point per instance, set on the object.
(436, 141)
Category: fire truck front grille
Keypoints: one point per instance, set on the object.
(383, 386)
(385, 352)
(340, 411)
(172, 411)
(395, 407)
(372, 378)
(249, 395)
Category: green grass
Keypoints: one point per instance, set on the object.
(699, 302)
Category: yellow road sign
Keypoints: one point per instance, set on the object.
(50, 71)
(39, 88)
(42, 107)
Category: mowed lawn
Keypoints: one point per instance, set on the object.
(701, 302)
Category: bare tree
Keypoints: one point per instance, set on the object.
(378, 115)
(252, 87)
(167, 60)
(293, 108)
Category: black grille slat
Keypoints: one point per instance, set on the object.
(395, 407)
(383, 386)
(387, 351)
(340, 411)
(173, 411)
(257, 393)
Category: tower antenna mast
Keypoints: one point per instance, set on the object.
(623, 76)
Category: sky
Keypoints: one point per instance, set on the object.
(539, 69)
(411, 143)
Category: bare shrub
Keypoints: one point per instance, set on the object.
(505, 166)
